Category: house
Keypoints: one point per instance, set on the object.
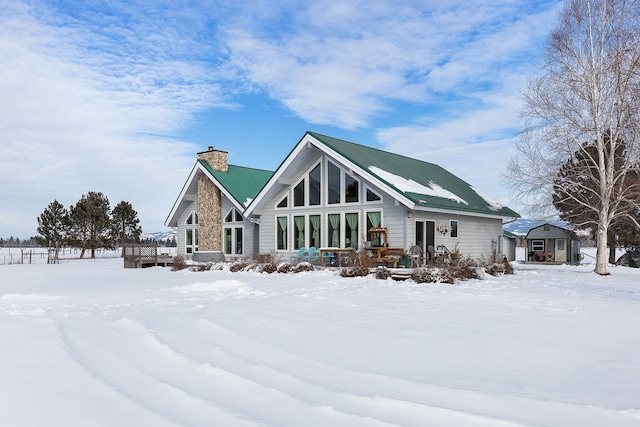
(332, 193)
(550, 243)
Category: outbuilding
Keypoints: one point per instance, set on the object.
(548, 243)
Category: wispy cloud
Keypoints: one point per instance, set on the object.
(93, 96)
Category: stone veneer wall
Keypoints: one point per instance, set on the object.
(210, 203)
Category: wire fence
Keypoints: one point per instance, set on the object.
(9, 256)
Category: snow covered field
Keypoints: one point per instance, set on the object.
(88, 343)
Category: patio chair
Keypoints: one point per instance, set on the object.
(301, 254)
(313, 254)
(416, 256)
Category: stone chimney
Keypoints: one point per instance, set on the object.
(217, 159)
(210, 202)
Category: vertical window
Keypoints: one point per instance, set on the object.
(283, 227)
(298, 194)
(333, 230)
(333, 183)
(373, 221)
(314, 186)
(238, 237)
(351, 230)
(352, 189)
(228, 242)
(314, 230)
(454, 228)
(298, 232)
(232, 234)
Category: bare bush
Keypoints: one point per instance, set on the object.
(355, 271)
(179, 263)
(383, 273)
(303, 266)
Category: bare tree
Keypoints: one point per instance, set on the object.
(588, 89)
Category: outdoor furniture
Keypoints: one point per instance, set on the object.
(336, 253)
(385, 255)
(302, 252)
(312, 254)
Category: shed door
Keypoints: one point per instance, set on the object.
(561, 250)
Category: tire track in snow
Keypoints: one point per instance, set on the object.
(387, 399)
(155, 375)
(312, 381)
(99, 350)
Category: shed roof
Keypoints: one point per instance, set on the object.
(550, 231)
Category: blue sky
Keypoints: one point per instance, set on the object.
(118, 96)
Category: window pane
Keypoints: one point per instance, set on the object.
(282, 233)
(189, 219)
(351, 230)
(229, 216)
(371, 196)
(298, 194)
(298, 232)
(351, 189)
(189, 236)
(333, 230)
(239, 240)
(314, 186)
(454, 228)
(284, 203)
(333, 184)
(238, 216)
(227, 241)
(314, 231)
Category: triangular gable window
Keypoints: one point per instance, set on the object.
(283, 203)
(233, 216)
(372, 196)
(192, 218)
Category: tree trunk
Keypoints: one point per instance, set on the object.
(601, 254)
(612, 248)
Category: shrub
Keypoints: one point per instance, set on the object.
(383, 273)
(425, 275)
(179, 263)
(355, 271)
(238, 266)
(303, 266)
(286, 267)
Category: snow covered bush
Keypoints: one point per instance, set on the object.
(355, 271)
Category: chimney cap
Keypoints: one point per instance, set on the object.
(211, 148)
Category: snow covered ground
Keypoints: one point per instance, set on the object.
(88, 343)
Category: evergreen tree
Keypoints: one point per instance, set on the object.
(53, 226)
(577, 189)
(91, 222)
(126, 225)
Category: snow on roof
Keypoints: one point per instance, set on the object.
(411, 186)
(494, 205)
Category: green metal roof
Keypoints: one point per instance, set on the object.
(242, 183)
(425, 184)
